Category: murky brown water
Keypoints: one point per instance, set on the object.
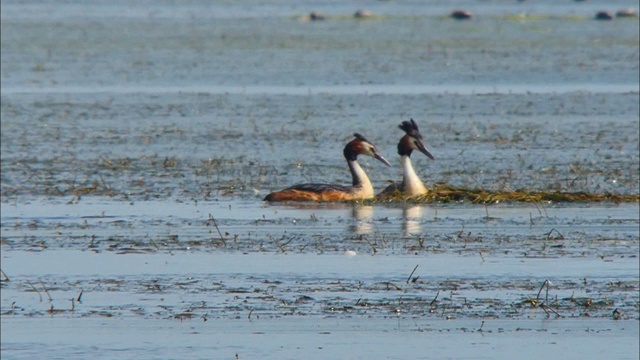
(136, 146)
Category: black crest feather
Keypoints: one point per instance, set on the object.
(411, 128)
(360, 137)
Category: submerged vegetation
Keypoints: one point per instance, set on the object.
(155, 176)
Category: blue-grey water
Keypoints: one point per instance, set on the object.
(139, 137)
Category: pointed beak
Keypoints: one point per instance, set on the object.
(424, 150)
(383, 160)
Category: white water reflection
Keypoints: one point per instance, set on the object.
(362, 219)
(412, 219)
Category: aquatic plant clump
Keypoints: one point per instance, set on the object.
(443, 193)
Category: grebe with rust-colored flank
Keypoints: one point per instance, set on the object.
(360, 188)
(411, 184)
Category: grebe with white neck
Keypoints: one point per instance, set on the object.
(360, 188)
(411, 184)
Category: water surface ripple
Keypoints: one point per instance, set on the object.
(138, 139)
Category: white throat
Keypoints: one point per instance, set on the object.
(411, 183)
(362, 187)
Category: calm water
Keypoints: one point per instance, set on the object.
(139, 137)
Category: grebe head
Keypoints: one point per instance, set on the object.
(412, 140)
(361, 146)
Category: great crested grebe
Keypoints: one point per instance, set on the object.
(411, 184)
(361, 185)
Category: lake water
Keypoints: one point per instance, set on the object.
(138, 139)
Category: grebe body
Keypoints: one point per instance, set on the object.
(411, 184)
(360, 188)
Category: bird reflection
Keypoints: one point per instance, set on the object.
(362, 219)
(411, 220)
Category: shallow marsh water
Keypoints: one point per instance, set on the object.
(136, 146)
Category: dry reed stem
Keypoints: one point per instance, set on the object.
(410, 275)
(6, 278)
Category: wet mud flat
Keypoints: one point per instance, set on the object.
(133, 168)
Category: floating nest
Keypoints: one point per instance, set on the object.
(445, 194)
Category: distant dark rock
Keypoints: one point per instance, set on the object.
(316, 16)
(626, 13)
(604, 15)
(362, 14)
(461, 14)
